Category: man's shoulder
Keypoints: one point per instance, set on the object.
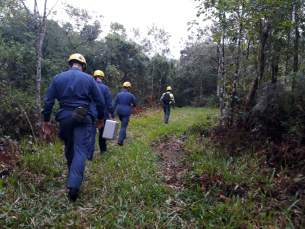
(76, 72)
(86, 75)
(62, 73)
(103, 86)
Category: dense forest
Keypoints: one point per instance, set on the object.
(27, 69)
(249, 64)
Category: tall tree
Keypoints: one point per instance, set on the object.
(82, 30)
(38, 26)
(158, 42)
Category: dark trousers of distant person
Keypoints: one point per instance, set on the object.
(92, 142)
(102, 141)
(167, 111)
(76, 136)
(124, 119)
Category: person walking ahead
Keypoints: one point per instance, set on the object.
(74, 91)
(124, 100)
(99, 77)
(167, 99)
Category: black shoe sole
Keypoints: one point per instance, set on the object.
(73, 194)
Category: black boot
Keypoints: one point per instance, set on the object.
(73, 194)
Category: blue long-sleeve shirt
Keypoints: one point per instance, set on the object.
(72, 88)
(108, 101)
(124, 100)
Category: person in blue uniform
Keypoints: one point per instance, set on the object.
(168, 100)
(124, 100)
(74, 90)
(99, 77)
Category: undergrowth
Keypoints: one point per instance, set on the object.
(127, 186)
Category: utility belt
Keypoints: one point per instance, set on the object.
(79, 113)
(67, 108)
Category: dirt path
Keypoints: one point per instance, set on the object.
(169, 154)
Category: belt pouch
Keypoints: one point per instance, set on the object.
(79, 114)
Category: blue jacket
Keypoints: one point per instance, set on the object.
(124, 99)
(108, 101)
(72, 88)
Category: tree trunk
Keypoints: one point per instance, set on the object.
(38, 75)
(260, 67)
(221, 75)
(201, 87)
(40, 29)
(160, 86)
(152, 81)
(39, 25)
(286, 65)
(220, 81)
(40, 34)
(275, 62)
(222, 67)
(296, 47)
(236, 74)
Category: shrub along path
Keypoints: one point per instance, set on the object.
(165, 176)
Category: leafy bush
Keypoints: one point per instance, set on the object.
(210, 101)
(16, 112)
(18, 115)
(199, 101)
(277, 112)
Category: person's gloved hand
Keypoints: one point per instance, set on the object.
(99, 123)
(46, 128)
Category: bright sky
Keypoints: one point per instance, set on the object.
(172, 15)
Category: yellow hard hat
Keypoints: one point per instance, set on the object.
(98, 73)
(80, 58)
(126, 84)
(169, 88)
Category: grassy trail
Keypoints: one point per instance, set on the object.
(122, 188)
(165, 176)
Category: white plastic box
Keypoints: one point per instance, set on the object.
(110, 129)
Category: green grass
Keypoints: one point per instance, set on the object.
(126, 188)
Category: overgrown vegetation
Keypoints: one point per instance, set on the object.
(243, 169)
(164, 176)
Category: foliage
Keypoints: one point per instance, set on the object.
(202, 101)
(260, 66)
(197, 76)
(141, 61)
(14, 67)
(18, 119)
(165, 175)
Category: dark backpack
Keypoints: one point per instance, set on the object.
(166, 98)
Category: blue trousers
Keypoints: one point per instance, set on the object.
(101, 141)
(92, 142)
(167, 111)
(76, 136)
(124, 119)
